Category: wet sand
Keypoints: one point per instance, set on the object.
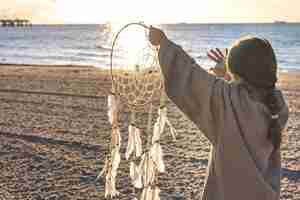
(54, 134)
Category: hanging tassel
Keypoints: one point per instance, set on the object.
(110, 185)
(156, 193)
(113, 109)
(162, 117)
(116, 138)
(115, 159)
(149, 126)
(149, 193)
(147, 168)
(134, 142)
(156, 133)
(111, 165)
(138, 143)
(172, 129)
(131, 141)
(135, 175)
(104, 169)
(144, 194)
(157, 157)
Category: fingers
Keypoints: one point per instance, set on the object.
(212, 57)
(220, 53)
(216, 55)
(155, 35)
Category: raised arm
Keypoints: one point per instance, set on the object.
(198, 94)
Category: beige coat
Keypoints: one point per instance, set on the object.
(242, 164)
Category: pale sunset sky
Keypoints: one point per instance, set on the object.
(151, 11)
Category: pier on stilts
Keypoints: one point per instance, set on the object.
(15, 22)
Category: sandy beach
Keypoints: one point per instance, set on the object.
(54, 134)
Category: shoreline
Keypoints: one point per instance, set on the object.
(50, 65)
(281, 70)
(176, 23)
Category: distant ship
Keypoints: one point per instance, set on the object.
(280, 22)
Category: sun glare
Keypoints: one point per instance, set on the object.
(131, 45)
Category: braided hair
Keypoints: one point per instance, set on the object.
(253, 59)
(274, 134)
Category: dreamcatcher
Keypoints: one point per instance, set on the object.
(136, 84)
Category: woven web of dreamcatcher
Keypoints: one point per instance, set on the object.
(135, 68)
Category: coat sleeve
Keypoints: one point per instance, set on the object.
(198, 94)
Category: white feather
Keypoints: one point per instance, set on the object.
(135, 176)
(156, 133)
(147, 170)
(104, 169)
(131, 141)
(116, 137)
(116, 158)
(150, 171)
(162, 117)
(149, 193)
(172, 129)
(157, 157)
(110, 185)
(138, 142)
(156, 193)
(144, 194)
(112, 109)
(159, 125)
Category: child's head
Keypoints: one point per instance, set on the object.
(253, 59)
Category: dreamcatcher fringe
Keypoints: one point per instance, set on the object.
(112, 161)
(134, 142)
(144, 175)
(173, 131)
(150, 193)
(135, 175)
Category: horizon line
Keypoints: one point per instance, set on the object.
(177, 23)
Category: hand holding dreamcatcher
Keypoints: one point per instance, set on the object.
(137, 83)
(156, 36)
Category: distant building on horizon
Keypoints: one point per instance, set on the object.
(15, 22)
(280, 22)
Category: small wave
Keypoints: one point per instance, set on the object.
(282, 61)
(103, 48)
(91, 54)
(83, 47)
(24, 47)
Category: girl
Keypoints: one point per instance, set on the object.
(242, 119)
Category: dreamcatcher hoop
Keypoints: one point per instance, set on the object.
(139, 94)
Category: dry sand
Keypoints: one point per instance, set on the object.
(54, 135)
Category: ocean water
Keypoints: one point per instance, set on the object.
(91, 44)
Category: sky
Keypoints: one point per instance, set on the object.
(151, 11)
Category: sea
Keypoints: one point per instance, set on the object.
(91, 44)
